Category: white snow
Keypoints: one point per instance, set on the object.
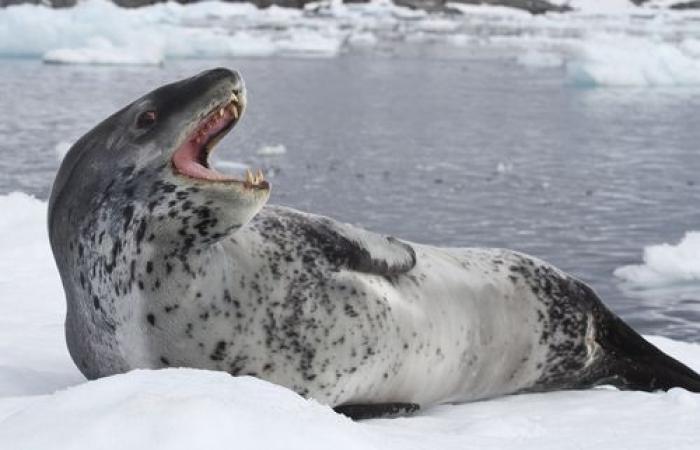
(666, 264)
(33, 356)
(45, 403)
(602, 43)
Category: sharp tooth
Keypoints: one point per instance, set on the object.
(234, 97)
(221, 112)
(234, 111)
(249, 177)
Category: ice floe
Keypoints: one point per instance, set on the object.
(666, 264)
(600, 43)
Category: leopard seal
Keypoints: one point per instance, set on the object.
(166, 262)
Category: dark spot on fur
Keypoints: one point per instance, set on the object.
(219, 351)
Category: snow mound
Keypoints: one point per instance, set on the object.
(33, 355)
(666, 264)
(177, 409)
(183, 409)
(45, 403)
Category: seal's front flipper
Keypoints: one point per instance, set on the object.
(376, 411)
(363, 250)
(343, 245)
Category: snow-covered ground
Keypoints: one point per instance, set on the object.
(603, 42)
(46, 404)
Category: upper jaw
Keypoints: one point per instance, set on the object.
(191, 157)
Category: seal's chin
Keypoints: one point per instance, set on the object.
(191, 158)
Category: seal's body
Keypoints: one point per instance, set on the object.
(166, 262)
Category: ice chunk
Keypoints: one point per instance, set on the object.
(272, 150)
(101, 51)
(363, 39)
(309, 43)
(624, 60)
(666, 264)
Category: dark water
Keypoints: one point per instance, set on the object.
(412, 147)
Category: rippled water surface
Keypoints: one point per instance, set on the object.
(477, 152)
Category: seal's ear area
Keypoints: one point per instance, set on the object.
(364, 251)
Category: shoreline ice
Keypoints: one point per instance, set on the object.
(597, 45)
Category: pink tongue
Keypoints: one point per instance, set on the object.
(186, 158)
(185, 161)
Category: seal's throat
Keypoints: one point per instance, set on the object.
(191, 158)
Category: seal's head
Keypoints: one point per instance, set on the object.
(152, 157)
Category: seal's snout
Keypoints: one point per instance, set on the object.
(223, 75)
(222, 100)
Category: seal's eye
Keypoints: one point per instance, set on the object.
(146, 119)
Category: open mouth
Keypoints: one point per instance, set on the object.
(191, 159)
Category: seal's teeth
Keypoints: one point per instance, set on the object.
(221, 112)
(234, 111)
(234, 98)
(249, 177)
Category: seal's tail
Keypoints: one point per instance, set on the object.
(634, 363)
